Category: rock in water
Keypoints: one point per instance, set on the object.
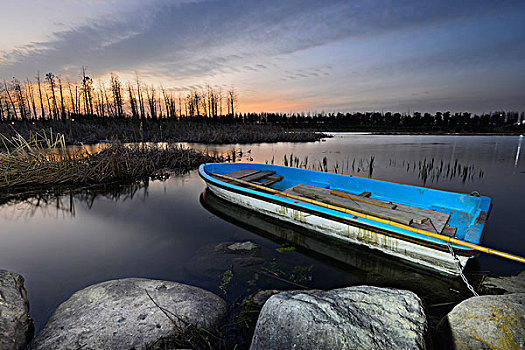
(130, 313)
(16, 326)
(244, 247)
(360, 317)
(212, 260)
(504, 284)
(485, 322)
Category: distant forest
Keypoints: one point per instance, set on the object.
(50, 98)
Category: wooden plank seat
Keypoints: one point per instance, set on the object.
(250, 175)
(416, 217)
(379, 203)
(270, 180)
(324, 195)
(437, 221)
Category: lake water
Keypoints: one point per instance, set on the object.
(169, 229)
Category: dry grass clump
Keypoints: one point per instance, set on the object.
(99, 130)
(43, 160)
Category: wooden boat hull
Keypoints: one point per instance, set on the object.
(430, 253)
(441, 261)
(360, 263)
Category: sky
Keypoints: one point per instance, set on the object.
(283, 56)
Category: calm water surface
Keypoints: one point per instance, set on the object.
(168, 230)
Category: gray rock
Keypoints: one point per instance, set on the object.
(504, 284)
(259, 298)
(212, 260)
(16, 326)
(243, 247)
(349, 318)
(485, 322)
(130, 313)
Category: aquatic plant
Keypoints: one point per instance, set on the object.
(226, 279)
(432, 169)
(44, 160)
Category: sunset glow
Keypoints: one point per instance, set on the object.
(283, 56)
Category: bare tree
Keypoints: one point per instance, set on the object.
(10, 100)
(50, 77)
(8, 110)
(109, 106)
(62, 105)
(42, 109)
(116, 90)
(87, 90)
(220, 98)
(166, 101)
(20, 98)
(29, 88)
(172, 106)
(196, 100)
(141, 101)
(190, 105)
(180, 105)
(152, 102)
(72, 97)
(49, 105)
(77, 99)
(132, 102)
(232, 100)
(204, 104)
(100, 104)
(1, 107)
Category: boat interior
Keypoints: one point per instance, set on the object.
(433, 220)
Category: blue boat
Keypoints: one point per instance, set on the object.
(408, 222)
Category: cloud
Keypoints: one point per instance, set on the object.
(195, 38)
(359, 47)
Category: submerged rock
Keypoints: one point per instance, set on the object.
(244, 247)
(259, 298)
(349, 318)
(16, 326)
(504, 284)
(213, 260)
(485, 322)
(131, 313)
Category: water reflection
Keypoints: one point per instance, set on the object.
(362, 264)
(63, 201)
(63, 241)
(518, 151)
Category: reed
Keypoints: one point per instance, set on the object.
(43, 160)
(91, 131)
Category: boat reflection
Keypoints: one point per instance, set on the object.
(362, 264)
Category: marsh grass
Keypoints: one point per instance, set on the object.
(43, 160)
(94, 131)
(428, 170)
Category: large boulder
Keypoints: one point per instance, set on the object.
(16, 326)
(485, 322)
(504, 284)
(360, 317)
(131, 313)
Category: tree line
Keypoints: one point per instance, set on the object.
(49, 97)
(439, 121)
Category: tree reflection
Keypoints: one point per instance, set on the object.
(63, 201)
